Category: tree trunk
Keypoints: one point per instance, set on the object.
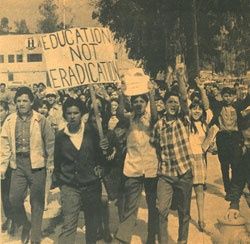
(189, 22)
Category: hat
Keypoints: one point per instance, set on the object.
(50, 91)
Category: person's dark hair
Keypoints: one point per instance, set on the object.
(195, 94)
(158, 96)
(24, 90)
(70, 102)
(236, 84)
(143, 96)
(4, 105)
(197, 103)
(43, 102)
(170, 94)
(227, 90)
(41, 84)
(2, 84)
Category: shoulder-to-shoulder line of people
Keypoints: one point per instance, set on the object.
(156, 141)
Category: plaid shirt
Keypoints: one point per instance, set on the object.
(171, 138)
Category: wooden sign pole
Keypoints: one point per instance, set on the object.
(96, 111)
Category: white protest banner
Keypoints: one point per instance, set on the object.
(136, 82)
(79, 56)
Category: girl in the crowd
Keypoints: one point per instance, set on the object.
(198, 129)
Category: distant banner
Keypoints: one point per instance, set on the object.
(136, 82)
(79, 56)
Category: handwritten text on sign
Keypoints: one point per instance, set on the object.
(79, 56)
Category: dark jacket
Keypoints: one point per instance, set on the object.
(77, 167)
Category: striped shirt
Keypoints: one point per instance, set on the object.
(171, 138)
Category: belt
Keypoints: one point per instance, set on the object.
(23, 154)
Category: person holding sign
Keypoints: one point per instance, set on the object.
(77, 160)
(140, 166)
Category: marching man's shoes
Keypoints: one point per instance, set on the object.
(25, 237)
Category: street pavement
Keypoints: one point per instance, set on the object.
(215, 208)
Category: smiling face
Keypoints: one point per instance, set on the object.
(172, 105)
(73, 117)
(23, 104)
(139, 105)
(196, 112)
(51, 99)
(44, 110)
(159, 105)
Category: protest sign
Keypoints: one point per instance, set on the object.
(79, 56)
(136, 82)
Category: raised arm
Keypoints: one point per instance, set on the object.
(181, 78)
(169, 77)
(203, 93)
(120, 113)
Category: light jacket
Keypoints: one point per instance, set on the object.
(41, 142)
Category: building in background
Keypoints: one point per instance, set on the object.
(21, 60)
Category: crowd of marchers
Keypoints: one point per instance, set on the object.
(156, 141)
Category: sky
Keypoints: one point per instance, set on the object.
(14, 10)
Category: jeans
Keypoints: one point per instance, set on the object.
(182, 186)
(229, 154)
(74, 200)
(22, 178)
(131, 196)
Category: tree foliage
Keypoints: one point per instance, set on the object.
(21, 27)
(49, 21)
(4, 26)
(155, 31)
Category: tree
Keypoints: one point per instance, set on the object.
(4, 26)
(21, 27)
(49, 21)
(155, 31)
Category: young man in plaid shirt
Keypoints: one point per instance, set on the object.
(170, 138)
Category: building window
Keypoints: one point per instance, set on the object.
(11, 58)
(35, 57)
(10, 76)
(1, 58)
(19, 58)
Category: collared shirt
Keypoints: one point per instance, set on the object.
(176, 156)
(23, 134)
(141, 156)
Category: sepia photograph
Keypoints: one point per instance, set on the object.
(125, 121)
